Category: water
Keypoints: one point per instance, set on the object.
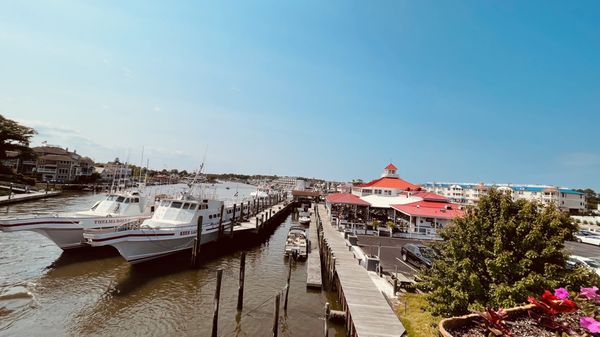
(45, 292)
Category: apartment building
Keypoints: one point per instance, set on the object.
(565, 199)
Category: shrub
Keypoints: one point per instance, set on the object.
(497, 254)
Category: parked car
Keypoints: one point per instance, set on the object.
(588, 237)
(590, 263)
(417, 254)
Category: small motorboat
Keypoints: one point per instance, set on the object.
(304, 220)
(296, 244)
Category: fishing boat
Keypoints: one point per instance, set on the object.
(172, 228)
(295, 244)
(66, 229)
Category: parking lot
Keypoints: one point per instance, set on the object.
(391, 252)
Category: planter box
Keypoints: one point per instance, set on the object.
(454, 322)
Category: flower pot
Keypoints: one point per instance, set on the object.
(454, 322)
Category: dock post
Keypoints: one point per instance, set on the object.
(257, 222)
(240, 302)
(220, 234)
(216, 308)
(10, 192)
(262, 221)
(249, 211)
(287, 287)
(241, 211)
(197, 243)
(233, 216)
(276, 320)
(327, 310)
(254, 207)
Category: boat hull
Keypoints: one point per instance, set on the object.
(65, 232)
(144, 245)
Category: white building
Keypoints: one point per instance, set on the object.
(565, 199)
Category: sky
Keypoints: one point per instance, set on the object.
(468, 91)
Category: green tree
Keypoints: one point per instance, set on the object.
(15, 137)
(500, 252)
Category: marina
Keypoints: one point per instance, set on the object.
(96, 292)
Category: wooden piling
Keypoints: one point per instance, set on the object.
(287, 287)
(276, 319)
(216, 308)
(232, 223)
(197, 243)
(220, 234)
(326, 332)
(240, 302)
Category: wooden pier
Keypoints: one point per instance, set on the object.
(16, 198)
(368, 313)
(313, 263)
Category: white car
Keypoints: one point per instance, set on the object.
(591, 263)
(588, 237)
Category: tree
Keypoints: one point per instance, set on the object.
(500, 252)
(15, 137)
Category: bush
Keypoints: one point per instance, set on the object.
(500, 252)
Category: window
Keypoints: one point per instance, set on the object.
(186, 206)
(176, 204)
(120, 199)
(210, 216)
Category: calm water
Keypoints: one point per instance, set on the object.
(45, 292)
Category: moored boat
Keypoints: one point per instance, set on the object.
(66, 229)
(171, 229)
(296, 244)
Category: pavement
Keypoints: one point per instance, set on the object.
(391, 252)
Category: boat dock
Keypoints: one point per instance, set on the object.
(313, 262)
(21, 197)
(367, 311)
(263, 213)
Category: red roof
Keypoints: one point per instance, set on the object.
(387, 182)
(391, 167)
(431, 209)
(345, 198)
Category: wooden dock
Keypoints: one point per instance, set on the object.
(368, 313)
(313, 262)
(262, 215)
(16, 198)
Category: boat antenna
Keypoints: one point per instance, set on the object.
(198, 172)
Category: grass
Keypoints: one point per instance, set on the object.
(414, 316)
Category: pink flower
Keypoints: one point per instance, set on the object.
(590, 324)
(589, 293)
(561, 293)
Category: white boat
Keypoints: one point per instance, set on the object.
(171, 229)
(260, 192)
(295, 244)
(66, 229)
(304, 220)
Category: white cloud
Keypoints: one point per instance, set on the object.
(157, 108)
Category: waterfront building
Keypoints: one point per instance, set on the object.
(412, 209)
(565, 199)
(52, 164)
(115, 171)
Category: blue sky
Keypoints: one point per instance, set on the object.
(494, 91)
